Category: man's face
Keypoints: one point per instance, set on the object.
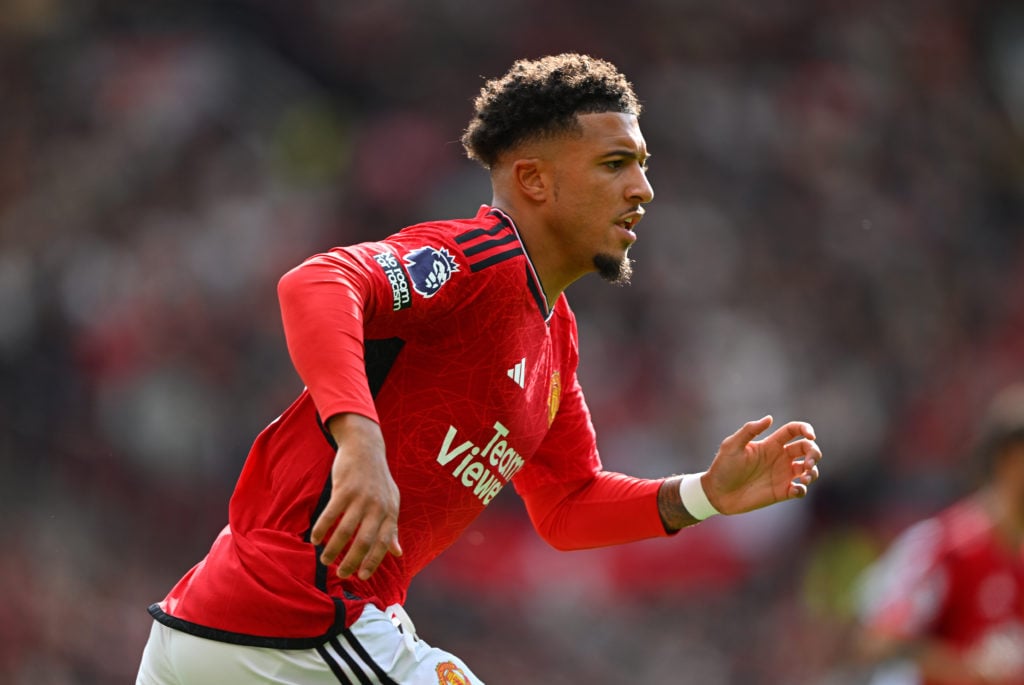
(599, 185)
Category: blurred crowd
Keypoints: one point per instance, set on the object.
(836, 237)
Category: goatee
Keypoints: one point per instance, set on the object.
(617, 271)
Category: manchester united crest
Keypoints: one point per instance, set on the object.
(554, 397)
(450, 674)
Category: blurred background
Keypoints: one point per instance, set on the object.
(837, 237)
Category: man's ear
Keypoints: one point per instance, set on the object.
(530, 177)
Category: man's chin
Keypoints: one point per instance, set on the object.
(614, 270)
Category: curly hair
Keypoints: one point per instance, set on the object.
(540, 98)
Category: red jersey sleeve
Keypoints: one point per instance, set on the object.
(606, 509)
(331, 302)
(572, 502)
(323, 303)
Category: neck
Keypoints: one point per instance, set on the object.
(540, 249)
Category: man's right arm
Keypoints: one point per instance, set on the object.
(322, 309)
(364, 501)
(323, 303)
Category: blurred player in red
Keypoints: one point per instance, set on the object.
(948, 596)
(440, 365)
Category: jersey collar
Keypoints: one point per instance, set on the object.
(532, 279)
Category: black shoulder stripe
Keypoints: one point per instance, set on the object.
(494, 259)
(480, 232)
(489, 244)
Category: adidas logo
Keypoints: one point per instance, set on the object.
(518, 372)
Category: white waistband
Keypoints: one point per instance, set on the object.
(400, 619)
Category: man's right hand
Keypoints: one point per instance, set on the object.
(364, 500)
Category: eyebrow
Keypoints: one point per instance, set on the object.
(631, 154)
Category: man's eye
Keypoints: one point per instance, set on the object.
(614, 164)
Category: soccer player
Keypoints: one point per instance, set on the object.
(947, 597)
(440, 366)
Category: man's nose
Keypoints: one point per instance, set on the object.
(641, 191)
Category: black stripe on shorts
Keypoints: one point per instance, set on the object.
(361, 651)
(358, 663)
(342, 671)
(334, 666)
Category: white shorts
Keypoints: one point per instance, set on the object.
(379, 648)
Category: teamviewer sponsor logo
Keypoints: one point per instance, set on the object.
(396, 277)
(484, 470)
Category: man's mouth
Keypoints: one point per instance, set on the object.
(629, 221)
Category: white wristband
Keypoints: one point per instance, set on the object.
(694, 498)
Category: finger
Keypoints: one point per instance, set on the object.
(372, 560)
(385, 542)
(798, 486)
(328, 517)
(803, 450)
(357, 551)
(394, 546)
(793, 430)
(748, 431)
(800, 467)
(324, 522)
(346, 528)
(374, 531)
(803, 468)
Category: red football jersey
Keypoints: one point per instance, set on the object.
(442, 333)
(951, 578)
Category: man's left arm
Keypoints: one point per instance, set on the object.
(610, 508)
